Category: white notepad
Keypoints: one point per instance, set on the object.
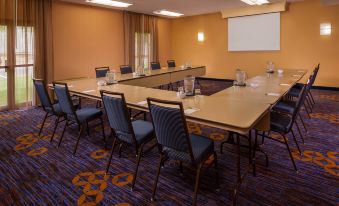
(142, 103)
(285, 85)
(88, 91)
(273, 94)
(191, 110)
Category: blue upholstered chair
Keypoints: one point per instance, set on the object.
(126, 69)
(309, 100)
(101, 71)
(51, 109)
(155, 65)
(171, 63)
(176, 143)
(136, 133)
(289, 106)
(80, 117)
(282, 123)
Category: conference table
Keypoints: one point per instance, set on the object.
(237, 109)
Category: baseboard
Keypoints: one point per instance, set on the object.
(326, 88)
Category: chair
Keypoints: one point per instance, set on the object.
(282, 123)
(295, 91)
(155, 65)
(51, 109)
(101, 71)
(80, 117)
(125, 131)
(171, 63)
(289, 106)
(174, 141)
(126, 69)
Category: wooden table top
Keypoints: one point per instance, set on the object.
(236, 109)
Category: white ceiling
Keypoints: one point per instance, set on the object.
(187, 7)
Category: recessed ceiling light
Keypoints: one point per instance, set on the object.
(167, 13)
(255, 2)
(109, 3)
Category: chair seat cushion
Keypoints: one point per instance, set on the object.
(143, 131)
(285, 106)
(280, 123)
(88, 114)
(202, 147)
(294, 92)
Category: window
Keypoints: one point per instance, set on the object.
(142, 49)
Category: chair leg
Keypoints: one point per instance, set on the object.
(254, 150)
(310, 105)
(87, 128)
(110, 158)
(289, 151)
(137, 166)
(306, 109)
(197, 182)
(299, 131)
(76, 145)
(55, 127)
(63, 132)
(145, 117)
(157, 177)
(120, 149)
(296, 142)
(302, 121)
(311, 95)
(103, 130)
(216, 171)
(43, 123)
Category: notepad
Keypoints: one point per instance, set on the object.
(142, 103)
(296, 75)
(191, 110)
(88, 91)
(285, 85)
(273, 94)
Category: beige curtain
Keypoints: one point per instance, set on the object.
(141, 39)
(28, 25)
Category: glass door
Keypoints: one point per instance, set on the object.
(16, 73)
(23, 69)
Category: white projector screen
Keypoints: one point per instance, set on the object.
(254, 33)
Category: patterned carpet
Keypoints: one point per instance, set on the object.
(35, 172)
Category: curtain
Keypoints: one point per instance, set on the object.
(140, 39)
(28, 51)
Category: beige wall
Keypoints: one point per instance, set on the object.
(87, 37)
(301, 44)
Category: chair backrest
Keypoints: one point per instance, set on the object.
(171, 63)
(315, 73)
(64, 98)
(126, 69)
(101, 71)
(118, 115)
(155, 65)
(170, 125)
(302, 97)
(41, 90)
